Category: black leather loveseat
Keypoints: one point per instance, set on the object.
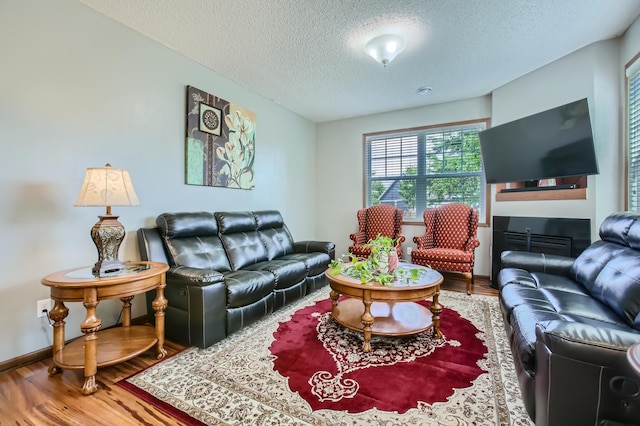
(228, 270)
(570, 323)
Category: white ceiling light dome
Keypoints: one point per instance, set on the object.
(385, 48)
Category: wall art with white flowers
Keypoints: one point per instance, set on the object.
(220, 144)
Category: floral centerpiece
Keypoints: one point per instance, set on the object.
(380, 266)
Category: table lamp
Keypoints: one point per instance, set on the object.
(107, 187)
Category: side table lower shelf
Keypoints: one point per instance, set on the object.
(115, 345)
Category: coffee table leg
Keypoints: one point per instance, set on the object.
(436, 310)
(334, 301)
(367, 321)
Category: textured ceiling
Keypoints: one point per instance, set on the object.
(307, 55)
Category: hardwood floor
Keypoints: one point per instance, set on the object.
(29, 396)
(455, 282)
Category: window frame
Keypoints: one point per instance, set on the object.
(631, 70)
(484, 220)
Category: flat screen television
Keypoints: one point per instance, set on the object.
(551, 144)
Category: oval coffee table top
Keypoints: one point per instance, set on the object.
(429, 278)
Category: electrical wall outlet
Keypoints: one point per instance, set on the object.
(409, 250)
(43, 307)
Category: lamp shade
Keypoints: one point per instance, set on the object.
(106, 186)
(385, 48)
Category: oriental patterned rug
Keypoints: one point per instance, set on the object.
(299, 367)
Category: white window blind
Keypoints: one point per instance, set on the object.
(633, 93)
(419, 169)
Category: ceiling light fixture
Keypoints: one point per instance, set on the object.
(424, 90)
(385, 48)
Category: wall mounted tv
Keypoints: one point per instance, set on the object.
(556, 143)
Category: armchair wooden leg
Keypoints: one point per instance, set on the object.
(468, 276)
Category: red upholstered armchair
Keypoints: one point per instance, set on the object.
(449, 241)
(380, 219)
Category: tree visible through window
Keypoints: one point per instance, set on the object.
(423, 168)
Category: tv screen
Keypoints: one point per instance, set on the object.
(551, 144)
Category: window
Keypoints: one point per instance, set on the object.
(633, 135)
(422, 168)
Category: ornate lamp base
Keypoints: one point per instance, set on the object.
(107, 234)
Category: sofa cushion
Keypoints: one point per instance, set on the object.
(277, 241)
(232, 222)
(244, 249)
(617, 286)
(591, 261)
(316, 262)
(274, 233)
(246, 287)
(191, 239)
(239, 235)
(448, 255)
(287, 272)
(266, 219)
(191, 224)
(615, 228)
(610, 273)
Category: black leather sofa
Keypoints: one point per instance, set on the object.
(228, 270)
(570, 323)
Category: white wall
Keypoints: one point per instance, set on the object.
(630, 43)
(79, 90)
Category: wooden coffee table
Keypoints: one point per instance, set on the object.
(376, 309)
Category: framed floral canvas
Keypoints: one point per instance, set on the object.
(220, 142)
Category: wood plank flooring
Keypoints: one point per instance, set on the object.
(29, 396)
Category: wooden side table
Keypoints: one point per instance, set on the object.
(113, 345)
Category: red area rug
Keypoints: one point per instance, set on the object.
(325, 364)
(299, 367)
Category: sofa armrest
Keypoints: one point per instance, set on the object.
(536, 262)
(587, 343)
(315, 246)
(186, 276)
(197, 314)
(582, 375)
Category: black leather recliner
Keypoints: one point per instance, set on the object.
(228, 270)
(570, 323)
